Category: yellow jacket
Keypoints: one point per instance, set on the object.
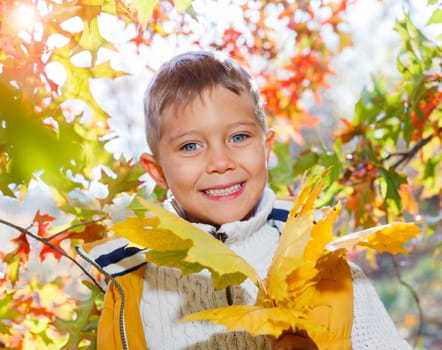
(110, 326)
(336, 312)
(120, 326)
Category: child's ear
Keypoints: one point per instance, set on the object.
(154, 169)
(269, 138)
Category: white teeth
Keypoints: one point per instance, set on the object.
(223, 191)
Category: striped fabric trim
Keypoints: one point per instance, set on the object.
(279, 214)
(115, 258)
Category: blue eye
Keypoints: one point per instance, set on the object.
(191, 146)
(239, 137)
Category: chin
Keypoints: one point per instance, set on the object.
(229, 218)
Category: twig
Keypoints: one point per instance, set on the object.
(415, 296)
(408, 155)
(53, 247)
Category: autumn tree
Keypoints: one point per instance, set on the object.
(385, 157)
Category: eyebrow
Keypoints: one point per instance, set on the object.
(193, 131)
(176, 137)
(245, 123)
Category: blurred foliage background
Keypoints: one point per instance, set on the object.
(352, 84)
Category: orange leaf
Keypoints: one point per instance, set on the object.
(43, 222)
(408, 200)
(23, 248)
(56, 242)
(89, 232)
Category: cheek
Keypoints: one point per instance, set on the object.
(181, 175)
(258, 165)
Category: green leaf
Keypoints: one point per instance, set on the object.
(182, 5)
(86, 313)
(127, 178)
(282, 174)
(436, 17)
(430, 169)
(392, 181)
(91, 40)
(13, 269)
(305, 161)
(105, 70)
(143, 9)
(32, 146)
(7, 309)
(77, 86)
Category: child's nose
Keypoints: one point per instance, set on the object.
(219, 161)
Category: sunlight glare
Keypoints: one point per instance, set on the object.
(24, 17)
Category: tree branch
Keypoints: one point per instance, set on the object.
(406, 156)
(414, 295)
(53, 247)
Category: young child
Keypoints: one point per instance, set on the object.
(210, 149)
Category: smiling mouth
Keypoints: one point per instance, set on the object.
(223, 191)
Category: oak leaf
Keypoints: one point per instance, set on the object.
(43, 221)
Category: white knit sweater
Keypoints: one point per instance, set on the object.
(168, 296)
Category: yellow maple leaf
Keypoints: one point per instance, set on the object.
(174, 242)
(256, 320)
(288, 256)
(302, 242)
(308, 193)
(386, 238)
(143, 10)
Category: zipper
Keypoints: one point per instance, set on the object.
(222, 236)
(229, 296)
(122, 323)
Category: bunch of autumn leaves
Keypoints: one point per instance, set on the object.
(306, 252)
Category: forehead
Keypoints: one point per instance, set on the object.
(206, 99)
(217, 105)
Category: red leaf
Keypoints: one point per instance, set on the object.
(43, 222)
(91, 232)
(349, 132)
(56, 241)
(23, 248)
(3, 278)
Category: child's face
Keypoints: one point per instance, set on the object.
(213, 156)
